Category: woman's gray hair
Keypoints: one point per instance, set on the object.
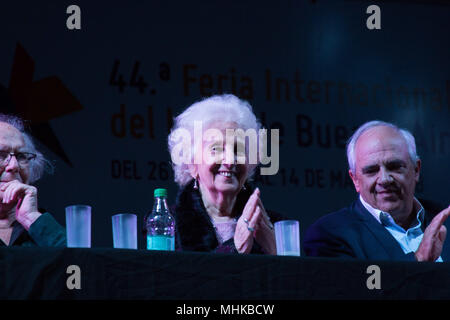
(409, 138)
(37, 166)
(218, 108)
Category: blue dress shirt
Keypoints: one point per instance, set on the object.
(409, 240)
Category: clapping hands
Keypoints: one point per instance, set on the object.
(254, 225)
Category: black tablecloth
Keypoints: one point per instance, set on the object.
(106, 273)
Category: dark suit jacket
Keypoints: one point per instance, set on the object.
(44, 232)
(353, 232)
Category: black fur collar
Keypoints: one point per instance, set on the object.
(195, 231)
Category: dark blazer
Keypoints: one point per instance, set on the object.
(44, 232)
(194, 230)
(353, 232)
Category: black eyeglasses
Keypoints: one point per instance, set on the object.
(23, 158)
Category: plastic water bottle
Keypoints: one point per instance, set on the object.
(160, 224)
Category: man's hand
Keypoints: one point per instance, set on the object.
(24, 197)
(430, 247)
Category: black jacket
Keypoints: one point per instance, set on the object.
(194, 229)
(44, 232)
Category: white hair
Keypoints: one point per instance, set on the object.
(37, 166)
(409, 139)
(218, 108)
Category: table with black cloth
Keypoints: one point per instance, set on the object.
(107, 273)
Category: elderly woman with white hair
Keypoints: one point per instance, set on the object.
(216, 209)
(21, 223)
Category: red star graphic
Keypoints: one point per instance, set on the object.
(37, 102)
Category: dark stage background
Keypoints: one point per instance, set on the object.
(100, 99)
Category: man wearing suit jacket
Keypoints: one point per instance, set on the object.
(386, 222)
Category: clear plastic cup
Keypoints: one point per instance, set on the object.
(78, 226)
(287, 236)
(124, 227)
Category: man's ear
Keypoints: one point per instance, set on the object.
(417, 170)
(354, 179)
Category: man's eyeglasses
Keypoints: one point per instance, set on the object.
(23, 158)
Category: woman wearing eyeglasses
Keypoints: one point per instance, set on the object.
(21, 223)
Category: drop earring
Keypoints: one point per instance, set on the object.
(195, 184)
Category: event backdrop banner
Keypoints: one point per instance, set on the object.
(101, 81)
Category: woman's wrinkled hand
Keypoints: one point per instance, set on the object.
(264, 233)
(254, 224)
